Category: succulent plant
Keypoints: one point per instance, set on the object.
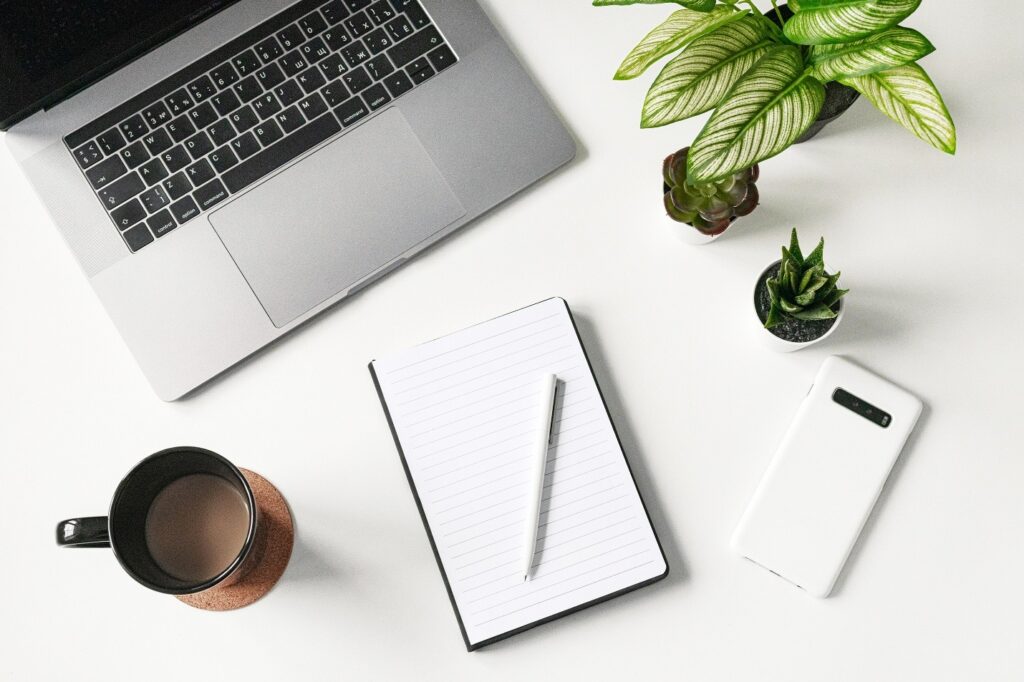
(710, 207)
(802, 289)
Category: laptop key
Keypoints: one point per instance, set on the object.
(334, 11)
(222, 159)
(127, 215)
(333, 66)
(161, 223)
(156, 115)
(376, 96)
(313, 106)
(270, 76)
(291, 37)
(356, 5)
(246, 63)
(199, 145)
(269, 49)
(111, 141)
(421, 74)
(415, 46)
(282, 152)
(312, 24)
(293, 63)
(266, 105)
(335, 93)
(133, 128)
(288, 93)
(268, 132)
(357, 79)
(180, 128)
(184, 210)
(381, 12)
(203, 115)
(120, 191)
(88, 154)
(245, 146)
(314, 50)
(199, 172)
(399, 28)
(224, 75)
(355, 54)
(336, 38)
(106, 171)
(153, 171)
(351, 111)
(176, 158)
(135, 154)
(244, 118)
(225, 102)
(377, 40)
(202, 89)
(311, 79)
(221, 132)
(359, 24)
(398, 84)
(210, 194)
(290, 120)
(154, 199)
(177, 186)
(442, 58)
(400, 5)
(416, 14)
(179, 102)
(379, 66)
(248, 88)
(137, 237)
(158, 142)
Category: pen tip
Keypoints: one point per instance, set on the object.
(526, 577)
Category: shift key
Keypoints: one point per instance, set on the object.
(120, 191)
(417, 45)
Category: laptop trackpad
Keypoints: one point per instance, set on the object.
(336, 216)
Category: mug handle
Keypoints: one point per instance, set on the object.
(88, 531)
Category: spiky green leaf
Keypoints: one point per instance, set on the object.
(883, 50)
(833, 297)
(682, 27)
(697, 79)
(698, 5)
(907, 95)
(775, 316)
(817, 312)
(817, 257)
(765, 112)
(794, 247)
(834, 21)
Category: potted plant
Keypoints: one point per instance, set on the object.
(797, 301)
(707, 209)
(769, 79)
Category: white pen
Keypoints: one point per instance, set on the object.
(549, 382)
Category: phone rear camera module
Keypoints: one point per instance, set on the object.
(861, 407)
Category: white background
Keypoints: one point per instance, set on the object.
(930, 246)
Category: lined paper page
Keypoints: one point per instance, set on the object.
(465, 409)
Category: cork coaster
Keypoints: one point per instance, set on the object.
(274, 548)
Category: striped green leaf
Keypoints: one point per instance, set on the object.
(700, 76)
(835, 21)
(907, 95)
(698, 5)
(766, 111)
(883, 50)
(682, 27)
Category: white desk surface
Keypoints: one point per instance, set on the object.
(929, 245)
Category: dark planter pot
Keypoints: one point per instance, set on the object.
(838, 97)
(792, 334)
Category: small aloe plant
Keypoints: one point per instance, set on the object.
(802, 289)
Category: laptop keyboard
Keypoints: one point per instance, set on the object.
(248, 108)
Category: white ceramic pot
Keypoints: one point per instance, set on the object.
(782, 345)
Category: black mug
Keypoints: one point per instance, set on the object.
(124, 529)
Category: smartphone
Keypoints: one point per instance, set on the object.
(826, 475)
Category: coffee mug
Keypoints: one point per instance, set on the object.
(183, 521)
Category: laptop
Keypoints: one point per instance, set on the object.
(224, 170)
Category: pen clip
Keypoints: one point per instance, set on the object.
(551, 424)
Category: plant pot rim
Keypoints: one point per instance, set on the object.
(786, 343)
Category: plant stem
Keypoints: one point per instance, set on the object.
(778, 12)
(754, 8)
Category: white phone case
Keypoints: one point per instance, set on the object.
(826, 475)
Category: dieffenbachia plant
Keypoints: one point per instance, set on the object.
(766, 84)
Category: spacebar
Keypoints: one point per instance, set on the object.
(280, 153)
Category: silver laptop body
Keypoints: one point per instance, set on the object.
(266, 257)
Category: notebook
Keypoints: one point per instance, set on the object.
(463, 410)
